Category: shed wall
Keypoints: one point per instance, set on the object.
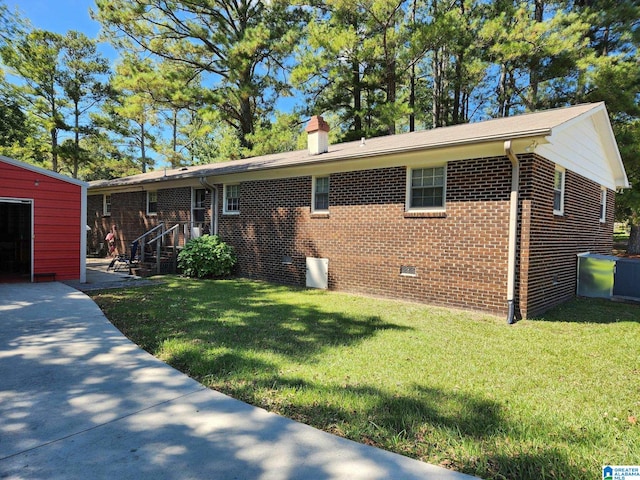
(57, 210)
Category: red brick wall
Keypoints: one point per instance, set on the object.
(551, 242)
(460, 256)
(128, 214)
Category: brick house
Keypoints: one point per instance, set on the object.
(486, 216)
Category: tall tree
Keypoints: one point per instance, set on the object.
(83, 70)
(177, 94)
(331, 66)
(356, 60)
(34, 59)
(238, 45)
(14, 128)
(132, 114)
(612, 75)
(530, 54)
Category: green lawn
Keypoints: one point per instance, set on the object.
(552, 398)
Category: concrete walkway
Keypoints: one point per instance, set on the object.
(80, 401)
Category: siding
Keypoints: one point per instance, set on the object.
(57, 224)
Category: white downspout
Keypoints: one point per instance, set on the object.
(214, 204)
(513, 231)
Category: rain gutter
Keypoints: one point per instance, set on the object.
(513, 231)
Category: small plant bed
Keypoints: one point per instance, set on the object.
(556, 397)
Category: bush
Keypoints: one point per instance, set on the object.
(206, 256)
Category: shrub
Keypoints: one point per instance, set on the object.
(206, 256)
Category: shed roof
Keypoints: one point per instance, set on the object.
(42, 171)
(543, 124)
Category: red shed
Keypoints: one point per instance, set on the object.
(42, 224)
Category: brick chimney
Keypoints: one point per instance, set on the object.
(317, 135)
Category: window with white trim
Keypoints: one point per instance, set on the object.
(320, 194)
(558, 191)
(231, 195)
(426, 188)
(603, 204)
(106, 204)
(152, 203)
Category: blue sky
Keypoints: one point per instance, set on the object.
(58, 15)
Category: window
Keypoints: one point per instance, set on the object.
(106, 207)
(426, 188)
(199, 205)
(603, 205)
(558, 191)
(232, 199)
(320, 194)
(152, 203)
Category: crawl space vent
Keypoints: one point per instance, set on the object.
(408, 271)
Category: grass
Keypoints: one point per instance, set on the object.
(555, 397)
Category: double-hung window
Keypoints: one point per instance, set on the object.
(152, 203)
(320, 194)
(426, 188)
(106, 204)
(231, 199)
(558, 191)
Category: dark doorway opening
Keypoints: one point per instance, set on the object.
(15, 241)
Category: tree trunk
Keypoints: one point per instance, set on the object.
(54, 149)
(502, 92)
(634, 240)
(76, 139)
(534, 65)
(246, 121)
(357, 96)
(457, 90)
(391, 92)
(412, 79)
(437, 89)
(143, 154)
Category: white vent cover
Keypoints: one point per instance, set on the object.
(317, 273)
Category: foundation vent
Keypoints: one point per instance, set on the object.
(408, 271)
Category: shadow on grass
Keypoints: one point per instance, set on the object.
(426, 420)
(217, 339)
(258, 316)
(593, 310)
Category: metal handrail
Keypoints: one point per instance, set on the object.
(173, 229)
(160, 225)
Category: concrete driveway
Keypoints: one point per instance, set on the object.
(80, 401)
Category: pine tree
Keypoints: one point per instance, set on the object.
(238, 46)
